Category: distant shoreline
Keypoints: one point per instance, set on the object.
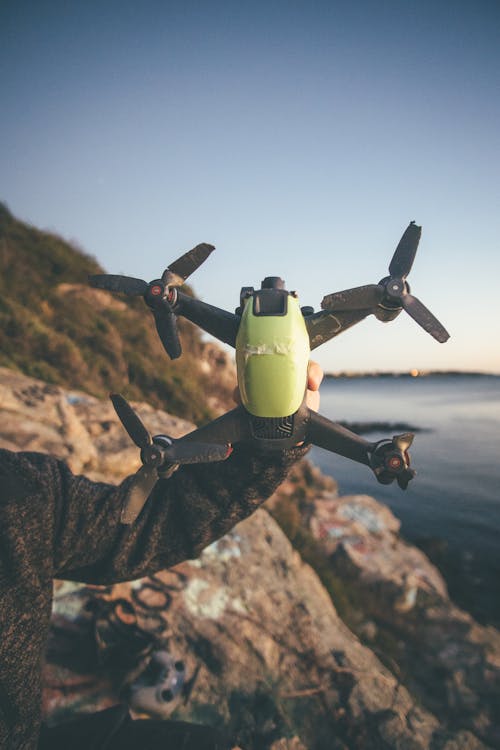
(411, 374)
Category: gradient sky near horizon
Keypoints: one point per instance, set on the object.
(298, 137)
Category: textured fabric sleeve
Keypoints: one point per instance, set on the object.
(197, 505)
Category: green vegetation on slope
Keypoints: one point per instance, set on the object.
(56, 328)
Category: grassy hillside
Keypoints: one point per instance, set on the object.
(54, 327)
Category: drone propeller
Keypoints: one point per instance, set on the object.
(393, 291)
(178, 271)
(160, 456)
(166, 326)
(133, 424)
(404, 254)
(115, 283)
(390, 460)
(159, 294)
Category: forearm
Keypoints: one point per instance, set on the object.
(212, 498)
(185, 513)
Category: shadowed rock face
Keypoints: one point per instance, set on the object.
(264, 649)
(399, 605)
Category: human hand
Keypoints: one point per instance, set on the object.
(314, 378)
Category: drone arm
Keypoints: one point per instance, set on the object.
(230, 428)
(337, 439)
(325, 324)
(219, 323)
(389, 459)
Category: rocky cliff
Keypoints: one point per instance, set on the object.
(371, 654)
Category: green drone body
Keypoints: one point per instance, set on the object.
(272, 354)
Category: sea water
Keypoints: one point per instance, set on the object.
(456, 452)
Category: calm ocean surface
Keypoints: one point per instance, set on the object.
(456, 493)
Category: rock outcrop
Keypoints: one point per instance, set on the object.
(255, 633)
(399, 605)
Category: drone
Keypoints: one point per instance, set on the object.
(272, 336)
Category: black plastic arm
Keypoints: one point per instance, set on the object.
(337, 439)
(232, 427)
(219, 323)
(325, 324)
(389, 459)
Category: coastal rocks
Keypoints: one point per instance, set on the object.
(398, 603)
(361, 535)
(263, 648)
(78, 428)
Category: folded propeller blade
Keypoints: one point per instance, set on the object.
(131, 421)
(166, 325)
(404, 255)
(424, 318)
(142, 486)
(403, 442)
(178, 271)
(405, 478)
(115, 283)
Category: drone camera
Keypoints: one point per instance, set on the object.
(273, 282)
(270, 302)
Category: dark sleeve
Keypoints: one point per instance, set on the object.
(185, 513)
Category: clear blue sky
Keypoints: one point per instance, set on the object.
(298, 137)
